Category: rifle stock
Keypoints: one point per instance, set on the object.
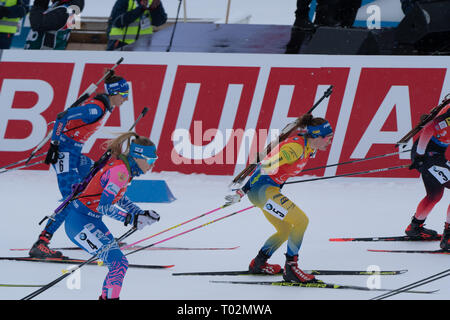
(430, 116)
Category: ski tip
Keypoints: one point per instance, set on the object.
(377, 250)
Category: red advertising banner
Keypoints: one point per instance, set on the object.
(209, 113)
(387, 103)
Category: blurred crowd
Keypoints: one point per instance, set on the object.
(52, 21)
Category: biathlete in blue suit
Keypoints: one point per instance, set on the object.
(71, 130)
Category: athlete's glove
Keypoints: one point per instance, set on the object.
(146, 218)
(417, 163)
(52, 154)
(234, 198)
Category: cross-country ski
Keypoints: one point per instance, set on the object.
(314, 272)
(316, 285)
(79, 261)
(387, 238)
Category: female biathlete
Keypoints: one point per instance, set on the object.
(428, 157)
(263, 189)
(71, 130)
(104, 196)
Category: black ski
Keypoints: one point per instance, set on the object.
(138, 247)
(394, 238)
(412, 251)
(320, 285)
(314, 272)
(80, 261)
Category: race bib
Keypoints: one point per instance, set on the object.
(275, 209)
(63, 162)
(89, 241)
(145, 23)
(442, 174)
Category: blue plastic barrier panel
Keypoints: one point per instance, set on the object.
(156, 191)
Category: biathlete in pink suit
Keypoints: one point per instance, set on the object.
(104, 196)
(428, 157)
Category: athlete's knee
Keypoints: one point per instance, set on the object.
(435, 196)
(299, 218)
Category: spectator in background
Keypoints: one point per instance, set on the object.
(131, 20)
(51, 25)
(407, 5)
(331, 13)
(11, 11)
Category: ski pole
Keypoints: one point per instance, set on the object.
(23, 166)
(351, 174)
(174, 27)
(70, 271)
(187, 231)
(79, 187)
(176, 226)
(41, 144)
(357, 160)
(413, 285)
(33, 153)
(20, 161)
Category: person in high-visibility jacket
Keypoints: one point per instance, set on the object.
(51, 23)
(11, 12)
(131, 20)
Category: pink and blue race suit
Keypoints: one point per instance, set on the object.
(84, 226)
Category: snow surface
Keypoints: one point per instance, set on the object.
(342, 207)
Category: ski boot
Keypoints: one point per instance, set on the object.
(41, 250)
(416, 229)
(445, 242)
(259, 265)
(292, 273)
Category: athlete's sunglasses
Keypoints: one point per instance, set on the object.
(150, 161)
(124, 94)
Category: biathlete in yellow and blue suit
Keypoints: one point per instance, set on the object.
(263, 189)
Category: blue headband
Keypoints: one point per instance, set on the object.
(322, 130)
(142, 152)
(118, 87)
